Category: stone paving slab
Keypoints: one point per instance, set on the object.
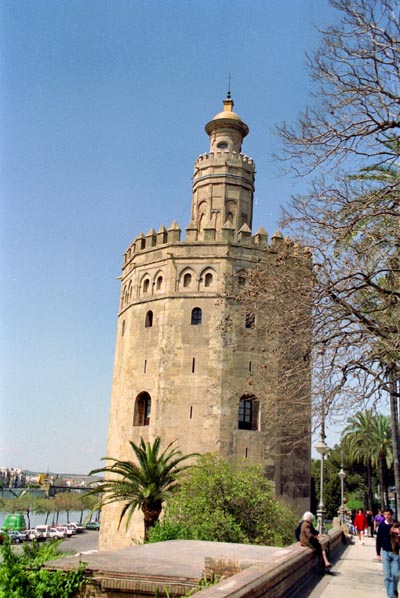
(356, 574)
(180, 559)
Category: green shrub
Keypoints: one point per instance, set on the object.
(22, 574)
(226, 502)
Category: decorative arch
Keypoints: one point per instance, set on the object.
(207, 278)
(141, 414)
(159, 282)
(201, 215)
(248, 413)
(145, 284)
(187, 279)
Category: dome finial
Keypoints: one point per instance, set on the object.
(228, 95)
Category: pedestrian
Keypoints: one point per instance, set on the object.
(370, 522)
(309, 537)
(361, 525)
(387, 550)
(378, 519)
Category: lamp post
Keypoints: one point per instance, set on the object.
(322, 448)
(342, 475)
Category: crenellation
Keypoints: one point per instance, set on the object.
(277, 241)
(241, 159)
(244, 234)
(140, 242)
(151, 238)
(227, 234)
(174, 233)
(162, 235)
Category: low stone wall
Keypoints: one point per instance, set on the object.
(270, 580)
(246, 571)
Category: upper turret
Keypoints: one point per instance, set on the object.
(223, 180)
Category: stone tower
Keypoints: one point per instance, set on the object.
(179, 373)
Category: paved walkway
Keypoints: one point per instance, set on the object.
(356, 573)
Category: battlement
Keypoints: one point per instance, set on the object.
(163, 237)
(235, 159)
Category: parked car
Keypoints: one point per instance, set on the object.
(56, 533)
(1, 537)
(93, 525)
(42, 531)
(67, 532)
(16, 537)
(78, 527)
(31, 534)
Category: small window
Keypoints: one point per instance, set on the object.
(208, 279)
(149, 319)
(187, 280)
(196, 316)
(146, 284)
(222, 145)
(248, 413)
(250, 320)
(159, 282)
(123, 328)
(141, 415)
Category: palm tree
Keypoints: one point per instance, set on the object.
(144, 484)
(357, 437)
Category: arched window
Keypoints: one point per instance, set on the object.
(196, 316)
(146, 284)
(159, 282)
(141, 416)
(250, 320)
(208, 279)
(187, 280)
(248, 413)
(149, 319)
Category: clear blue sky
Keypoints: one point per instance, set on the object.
(102, 114)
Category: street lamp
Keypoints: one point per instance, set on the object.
(322, 448)
(342, 475)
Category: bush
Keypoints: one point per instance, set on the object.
(22, 574)
(225, 502)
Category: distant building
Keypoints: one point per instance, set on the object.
(12, 478)
(176, 374)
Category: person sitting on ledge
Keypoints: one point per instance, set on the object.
(308, 536)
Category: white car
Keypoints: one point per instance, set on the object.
(43, 531)
(31, 534)
(56, 533)
(67, 532)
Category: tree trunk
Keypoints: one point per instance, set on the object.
(151, 514)
(381, 483)
(369, 486)
(394, 415)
